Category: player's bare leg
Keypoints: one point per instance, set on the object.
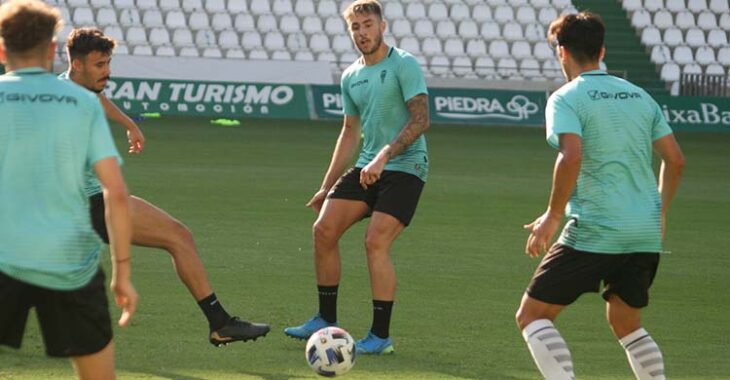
(96, 366)
(643, 353)
(548, 348)
(153, 227)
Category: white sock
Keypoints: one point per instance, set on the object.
(644, 355)
(549, 350)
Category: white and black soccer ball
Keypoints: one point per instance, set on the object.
(330, 351)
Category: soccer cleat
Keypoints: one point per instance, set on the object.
(309, 327)
(374, 345)
(236, 330)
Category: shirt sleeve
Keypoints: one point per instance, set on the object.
(411, 79)
(660, 128)
(101, 144)
(348, 105)
(560, 118)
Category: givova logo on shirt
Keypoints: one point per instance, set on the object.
(18, 97)
(517, 108)
(621, 95)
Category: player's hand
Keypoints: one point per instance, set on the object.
(542, 231)
(126, 297)
(317, 200)
(135, 139)
(372, 171)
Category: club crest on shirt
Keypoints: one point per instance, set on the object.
(382, 76)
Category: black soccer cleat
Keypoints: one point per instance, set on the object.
(238, 330)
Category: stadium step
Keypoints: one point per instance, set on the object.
(625, 55)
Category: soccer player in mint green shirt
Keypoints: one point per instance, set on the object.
(386, 100)
(52, 133)
(606, 130)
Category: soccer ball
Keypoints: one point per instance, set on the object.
(330, 351)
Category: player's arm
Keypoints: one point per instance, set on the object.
(345, 149)
(416, 125)
(670, 172)
(134, 134)
(565, 176)
(116, 200)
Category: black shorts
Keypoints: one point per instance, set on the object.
(565, 273)
(73, 323)
(395, 193)
(98, 221)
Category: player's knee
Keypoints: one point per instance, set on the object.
(522, 319)
(323, 233)
(375, 246)
(182, 236)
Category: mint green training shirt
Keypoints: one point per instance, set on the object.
(615, 207)
(51, 132)
(378, 94)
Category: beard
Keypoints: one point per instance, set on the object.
(376, 45)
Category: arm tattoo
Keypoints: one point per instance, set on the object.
(415, 126)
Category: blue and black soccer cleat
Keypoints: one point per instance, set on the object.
(374, 345)
(309, 327)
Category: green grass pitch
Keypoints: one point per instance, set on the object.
(461, 265)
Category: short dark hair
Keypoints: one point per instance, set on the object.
(27, 24)
(364, 7)
(82, 41)
(581, 33)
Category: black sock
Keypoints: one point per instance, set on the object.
(214, 311)
(381, 318)
(328, 302)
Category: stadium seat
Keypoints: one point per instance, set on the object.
(182, 38)
(551, 69)
(724, 22)
(169, 5)
(215, 6)
(326, 56)
(534, 32)
(296, 42)
(221, 21)
(165, 51)
(723, 56)
(517, 3)
(327, 8)
(707, 20)
(562, 4)
(192, 5)
(445, 29)
(660, 54)
(146, 4)
(543, 52)
(189, 51)
(498, 49)
(259, 7)
(106, 16)
(235, 53)
(334, 25)
(175, 20)
(410, 44)
(212, 52)
(468, 29)
(394, 10)
(237, 6)
(244, 22)
(282, 7)
(113, 31)
(311, 24)
(674, 88)
(454, 47)
(504, 14)
(415, 11)
(507, 67)
(512, 31)
(144, 50)
(717, 38)
(695, 37)
(653, 5)
(304, 8)
(705, 55)
(496, 3)
(440, 66)
(641, 19)
(319, 42)
(682, 55)
(490, 30)
(685, 20)
(348, 58)
(423, 28)
(651, 36)
(547, 15)
(228, 39)
(266, 23)
(485, 67)
(136, 35)
(663, 19)
(714, 69)
(290, 24)
(481, 13)
(521, 50)
(632, 5)
(670, 72)
(258, 54)
(719, 6)
(692, 68)
(129, 17)
(401, 27)
(77, 3)
(274, 41)
(673, 37)
(459, 12)
(123, 4)
(696, 6)
(538, 4)
(341, 43)
(303, 56)
(251, 40)
(476, 48)
(526, 15)
(152, 18)
(159, 37)
(462, 66)
(437, 11)
(530, 68)
(675, 6)
(199, 20)
(205, 38)
(431, 46)
(83, 16)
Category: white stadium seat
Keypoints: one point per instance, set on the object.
(312, 24)
(215, 6)
(258, 7)
(401, 27)
(204, 38)
(445, 29)
(551, 69)
(327, 8)
(319, 42)
(723, 56)
(334, 25)
(251, 40)
(504, 14)
(304, 55)
(715, 69)
(393, 10)
(296, 42)
(540, 3)
(244, 22)
(481, 13)
(106, 16)
(675, 6)
(521, 50)
(724, 22)
(415, 11)
(717, 38)
(660, 54)
(507, 67)
(653, 5)
(258, 54)
(673, 37)
(670, 72)
(304, 8)
(719, 6)
(438, 11)
(221, 21)
(696, 6)
(543, 52)
(512, 31)
(235, 53)
(692, 68)
(526, 15)
(182, 38)
(274, 41)
(490, 30)
(534, 32)
(169, 5)
(682, 55)
(499, 49)
(454, 47)
(144, 50)
(705, 55)
(290, 24)
(189, 51)
(83, 16)
(228, 39)
(547, 15)
(651, 36)
(136, 35)
(476, 48)
(468, 29)
(695, 37)
(485, 67)
(641, 19)
(129, 17)
(123, 4)
(212, 52)
(423, 28)
(663, 19)
(530, 68)
(159, 37)
(685, 20)
(281, 55)
(165, 51)
(199, 20)
(707, 20)
(431, 46)
(152, 18)
(266, 23)
(562, 4)
(237, 6)
(632, 5)
(517, 3)
(326, 57)
(459, 12)
(146, 4)
(192, 5)
(440, 66)
(282, 7)
(175, 20)
(113, 32)
(410, 44)
(462, 66)
(341, 43)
